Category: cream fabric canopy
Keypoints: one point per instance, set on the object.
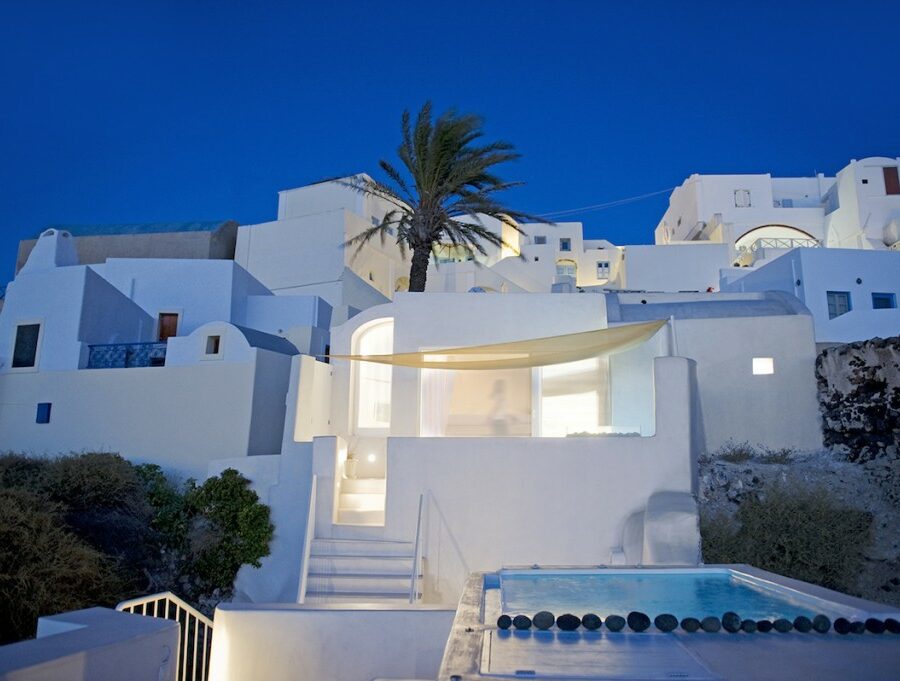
(523, 354)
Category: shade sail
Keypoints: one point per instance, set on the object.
(523, 354)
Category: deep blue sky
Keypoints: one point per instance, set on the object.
(159, 111)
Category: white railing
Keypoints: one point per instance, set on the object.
(417, 556)
(774, 242)
(196, 630)
(307, 540)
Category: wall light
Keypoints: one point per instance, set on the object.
(763, 365)
(371, 458)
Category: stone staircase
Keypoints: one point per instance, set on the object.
(359, 570)
(361, 501)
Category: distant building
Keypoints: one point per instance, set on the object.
(193, 240)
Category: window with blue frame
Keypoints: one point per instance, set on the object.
(884, 301)
(838, 303)
(43, 412)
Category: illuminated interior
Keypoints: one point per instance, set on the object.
(373, 409)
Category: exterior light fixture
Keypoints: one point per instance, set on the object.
(763, 366)
(371, 458)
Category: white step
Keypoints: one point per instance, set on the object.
(371, 518)
(355, 565)
(383, 584)
(361, 547)
(364, 485)
(361, 501)
(356, 599)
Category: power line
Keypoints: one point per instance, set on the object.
(608, 204)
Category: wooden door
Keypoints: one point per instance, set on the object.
(891, 180)
(168, 325)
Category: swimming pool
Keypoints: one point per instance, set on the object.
(683, 593)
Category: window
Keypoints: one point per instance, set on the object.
(566, 268)
(865, 181)
(602, 269)
(763, 366)
(565, 244)
(26, 345)
(891, 180)
(838, 303)
(884, 301)
(540, 240)
(374, 380)
(213, 344)
(43, 412)
(741, 198)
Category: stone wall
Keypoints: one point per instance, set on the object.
(859, 395)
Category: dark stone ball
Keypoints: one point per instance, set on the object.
(638, 621)
(821, 624)
(749, 626)
(614, 622)
(522, 622)
(857, 627)
(765, 626)
(782, 625)
(710, 624)
(591, 622)
(543, 620)
(892, 625)
(690, 624)
(568, 622)
(666, 622)
(731, 622)
(874, 625)
(842, 625)
(504, 621)
(803, 624)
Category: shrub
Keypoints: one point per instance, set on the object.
(735, 452)
(44, 568)
(798, 532)
(229, 528)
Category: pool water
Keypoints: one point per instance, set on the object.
(683, 594)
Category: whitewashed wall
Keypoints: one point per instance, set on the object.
(295, 643)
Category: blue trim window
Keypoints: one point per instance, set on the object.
(884, 301)
(43, 412)
(838, 303)
(565, 244)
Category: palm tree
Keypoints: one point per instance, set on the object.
(448, 186)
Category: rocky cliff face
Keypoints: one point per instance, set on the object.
(870, 486)
(859, 395)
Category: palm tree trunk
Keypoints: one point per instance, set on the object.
(418, 271)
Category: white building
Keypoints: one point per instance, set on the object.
(172, 361)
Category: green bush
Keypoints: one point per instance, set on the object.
(92, 529)
(798, 532)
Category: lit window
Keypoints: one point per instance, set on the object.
(741, 198)
(540, 240)
(565, 244)
(884, 301)
(212, 345)
(763, 366)
(838, 303)
(374, 380)
(26, 344)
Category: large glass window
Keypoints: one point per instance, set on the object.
(574, 398)
(373, 407)
(838, 303)
(26, 344)
(566, 268)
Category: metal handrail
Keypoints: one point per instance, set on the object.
(414, 577)
(779, 242)
(307, 541)
(196, 630)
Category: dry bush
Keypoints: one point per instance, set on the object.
(798, 532)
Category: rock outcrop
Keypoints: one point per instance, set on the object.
(859, 395)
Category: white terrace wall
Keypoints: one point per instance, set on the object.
(296, 643)
(179, 417)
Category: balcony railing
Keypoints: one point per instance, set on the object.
(783, 243)
(126, 355)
